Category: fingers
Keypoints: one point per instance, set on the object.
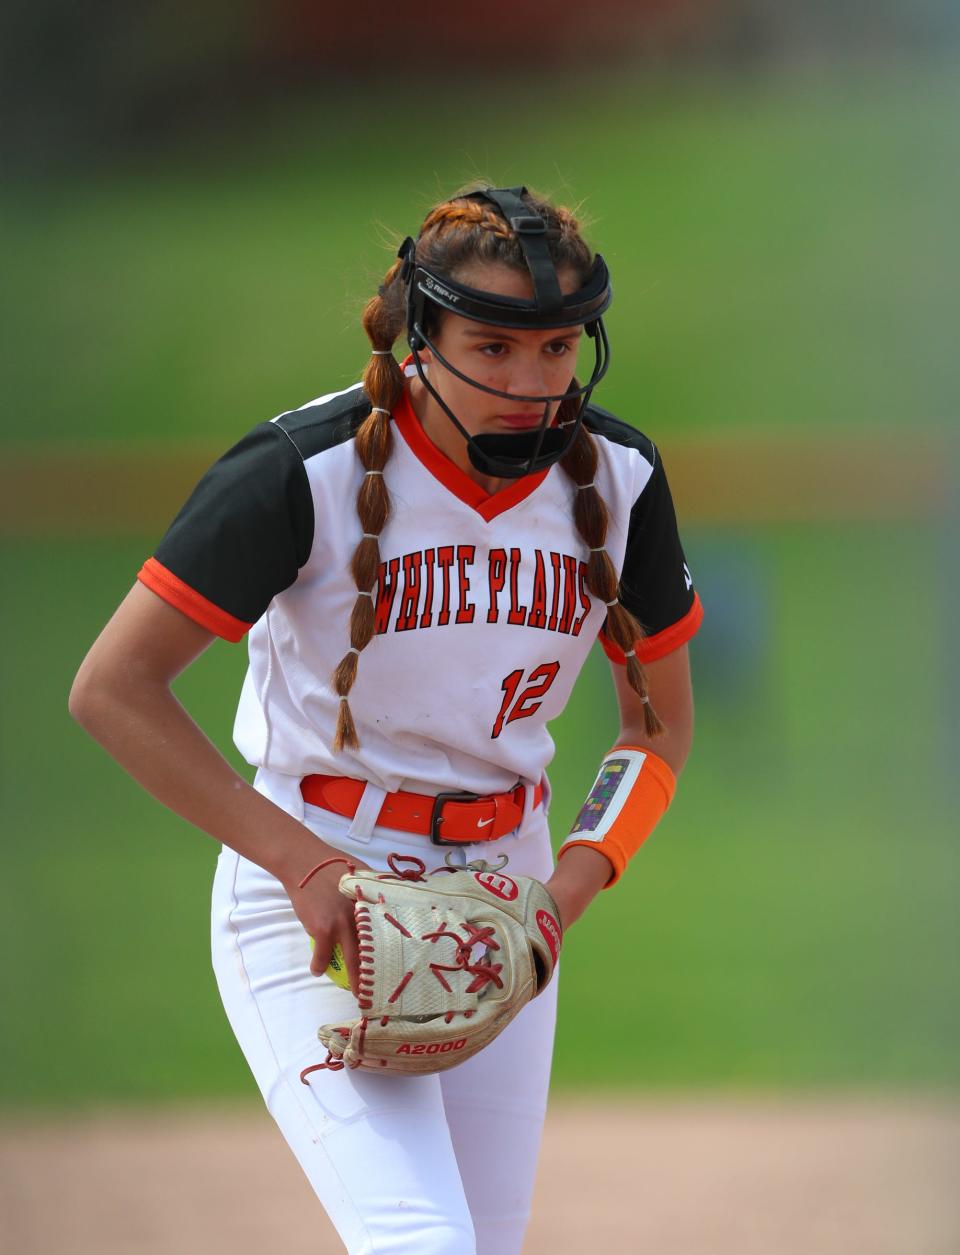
(343, 934)
(320, 959)
(329, 921)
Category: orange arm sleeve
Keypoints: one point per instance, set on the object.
(631, 793)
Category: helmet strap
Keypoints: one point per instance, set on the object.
(531, 232)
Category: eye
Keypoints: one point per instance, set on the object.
(559, 348)
(495, 349)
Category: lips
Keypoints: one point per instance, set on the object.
(522, 420)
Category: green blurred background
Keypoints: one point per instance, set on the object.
(183, 258)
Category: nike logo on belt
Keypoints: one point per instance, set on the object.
(482, 823)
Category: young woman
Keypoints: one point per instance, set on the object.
(421, 564)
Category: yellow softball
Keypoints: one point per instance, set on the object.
(337, 970)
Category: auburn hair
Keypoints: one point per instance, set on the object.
(454, 233)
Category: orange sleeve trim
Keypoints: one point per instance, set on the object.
(658, 646)
(645, 805)
(191, 603)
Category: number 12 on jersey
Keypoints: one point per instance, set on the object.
(529, 700)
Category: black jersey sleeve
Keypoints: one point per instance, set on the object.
(655, 583)
(240, 538)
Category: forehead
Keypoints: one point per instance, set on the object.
(508, 281)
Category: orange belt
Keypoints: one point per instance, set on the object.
(448, 818)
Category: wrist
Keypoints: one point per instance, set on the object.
(293, 852)
(576, 881)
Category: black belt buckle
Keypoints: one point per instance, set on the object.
(436, 815)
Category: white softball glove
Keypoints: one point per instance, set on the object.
(447, 959)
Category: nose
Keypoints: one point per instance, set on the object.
(528, 377)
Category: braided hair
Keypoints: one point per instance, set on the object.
(454, 233)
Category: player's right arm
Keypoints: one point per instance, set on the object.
(122, 697)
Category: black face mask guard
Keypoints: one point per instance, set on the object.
(511, 456)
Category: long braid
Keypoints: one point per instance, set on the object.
(591, 517)
(475, 228)
(383, 384)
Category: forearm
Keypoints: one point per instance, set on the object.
(584, 869)
(154, 739)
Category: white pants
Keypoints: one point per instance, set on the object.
(419, 1165)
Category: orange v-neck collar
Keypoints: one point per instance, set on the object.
(487, 505)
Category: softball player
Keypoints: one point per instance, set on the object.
(420, 565)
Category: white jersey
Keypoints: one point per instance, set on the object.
(483, 616)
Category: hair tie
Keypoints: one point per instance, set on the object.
(629, 653)
(373, 472)
(353, 650)
(381, 352)
(615, 602)
(371, 536)
(366, 592)
(583, 487)
(645, 699)
(378, 409)
(602, 549)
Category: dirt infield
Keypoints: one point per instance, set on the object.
(690, 1177)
